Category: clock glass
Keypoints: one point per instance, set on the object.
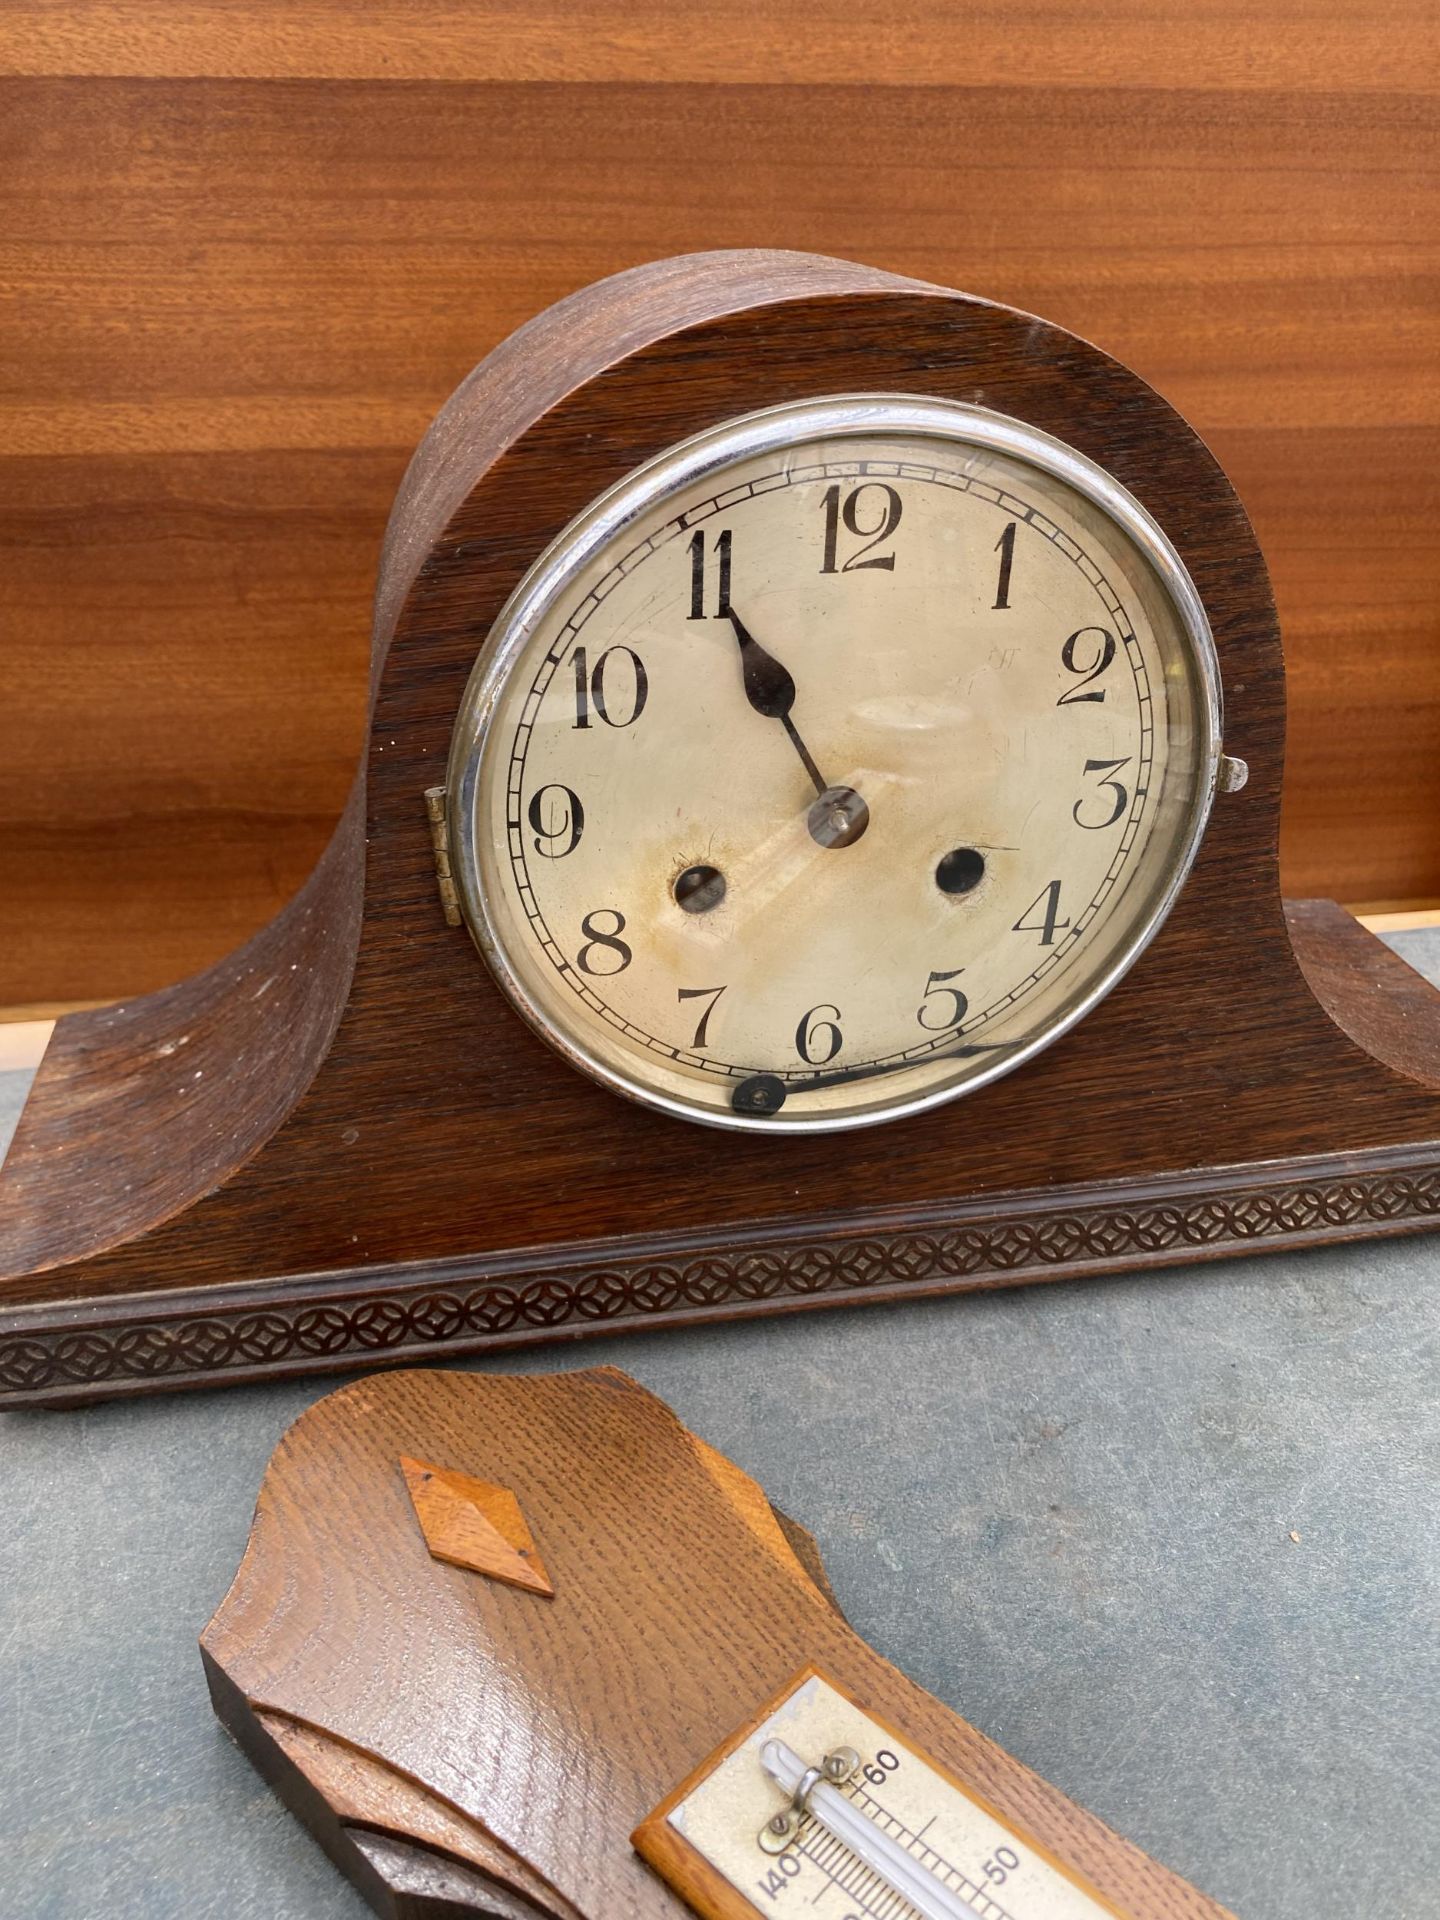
(834, 762)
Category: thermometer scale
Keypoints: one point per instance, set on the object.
(819, 1807)
(863, 1851)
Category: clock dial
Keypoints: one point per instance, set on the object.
(834, 763)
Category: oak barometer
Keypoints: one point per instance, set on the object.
(672, 1722)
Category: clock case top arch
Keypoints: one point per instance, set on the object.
(341, 1146)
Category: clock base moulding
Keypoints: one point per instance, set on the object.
(341, 1147)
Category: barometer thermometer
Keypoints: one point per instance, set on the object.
(819, 1807)
(834, 763)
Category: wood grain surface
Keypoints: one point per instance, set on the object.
(248, 249)
(445, 1180)
(513, 1745)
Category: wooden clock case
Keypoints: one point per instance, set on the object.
(340, 1146)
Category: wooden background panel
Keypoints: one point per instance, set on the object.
(248, 250)
(185, 651)
(1302, 45)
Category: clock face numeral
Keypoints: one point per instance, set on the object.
(590, 689)
(1005, 547)
(558, 819)
(1113, 809)
(602, 940)
(948, 1002)
(710, 995)
(1098, 641)
(698, 595)
(818, 1037)
(871, 512)
(834, 799)
(1047, 904)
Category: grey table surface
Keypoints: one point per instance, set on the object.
(1170, 1539)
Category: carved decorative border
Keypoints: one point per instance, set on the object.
(147, 1343)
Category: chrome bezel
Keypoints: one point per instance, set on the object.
(766, 431)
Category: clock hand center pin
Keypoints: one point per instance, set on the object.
(838, 816)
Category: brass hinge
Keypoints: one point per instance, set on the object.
(440, 841)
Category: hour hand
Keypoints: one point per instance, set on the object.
(768, 687)
(771, 691)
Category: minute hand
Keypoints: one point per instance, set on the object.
(771, 692)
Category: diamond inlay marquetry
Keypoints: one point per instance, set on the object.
(472, 1524)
